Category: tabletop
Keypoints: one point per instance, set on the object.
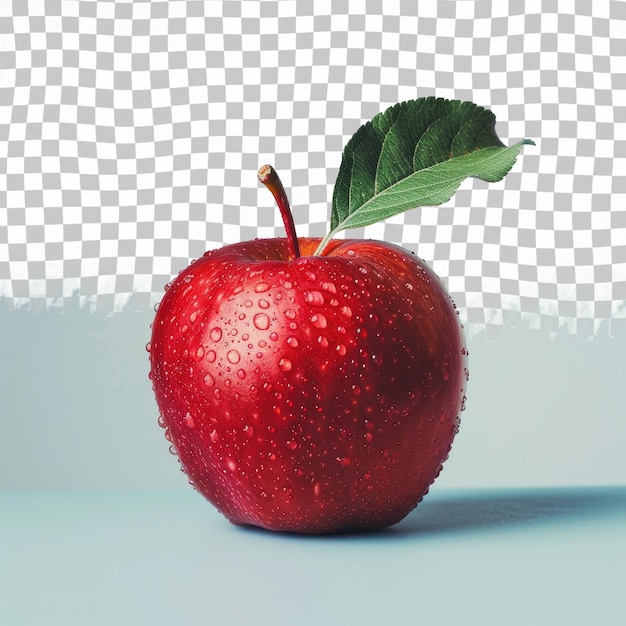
(521, 556)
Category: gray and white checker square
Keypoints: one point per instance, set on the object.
(131, 133)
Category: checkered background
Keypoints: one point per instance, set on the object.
(131, 133)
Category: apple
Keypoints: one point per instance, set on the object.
(312, 393)
(315, 385)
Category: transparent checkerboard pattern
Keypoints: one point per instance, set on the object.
(131, 133)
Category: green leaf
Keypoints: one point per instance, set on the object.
(416, 153)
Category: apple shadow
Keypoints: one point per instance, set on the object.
(492, 509)
(463, 511)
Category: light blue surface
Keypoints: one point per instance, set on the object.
(87, 538)
(540, 556)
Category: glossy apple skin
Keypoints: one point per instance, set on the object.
(314, 395)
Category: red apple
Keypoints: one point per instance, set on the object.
(306, 392)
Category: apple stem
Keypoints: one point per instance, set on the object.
(268, 176)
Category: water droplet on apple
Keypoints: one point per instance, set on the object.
(347, 311)
(209, 381)
(330, 287)
(285, 364)
(273, 336)
(184, 328)
(463, 400)
(314, 298)
(341, 349)
(356, 390)
(248, 303)
(322, 341)
(319, 321)
(261, 321)
(233, 357)
(227, 383)
(264, 304)
(148, 346)
(215, 334)
(172, 450)
(161, 421)
(343, 461)
(291, 444)
(210, 356)
(292, 342)
(200, 352)
(193, 317)
(248, 431)
(214, 436)
(261, 287)
(287, 284)
(290, 314)
(241, 374)
(189, 421)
